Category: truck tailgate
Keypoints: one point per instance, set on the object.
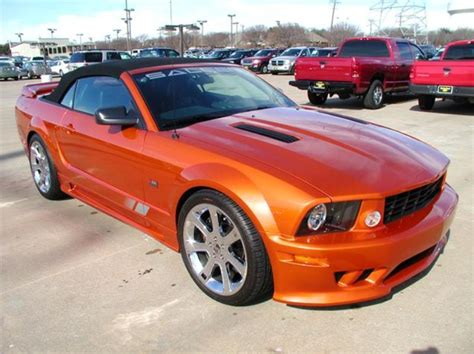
(324, 69)
(443, 72)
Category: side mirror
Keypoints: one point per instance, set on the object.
(420, 57)
(115, 116)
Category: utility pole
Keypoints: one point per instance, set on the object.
(202, 22)
(80, 39)
(117, 31)
(128, 22)
(52, 30)
(107, 40)
(231, 29)
(334, 3)
(19, 34)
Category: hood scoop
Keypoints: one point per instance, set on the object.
(285, 138)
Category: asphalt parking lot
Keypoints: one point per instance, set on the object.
(74, 279)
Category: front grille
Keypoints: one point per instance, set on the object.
(400, 205)
(280, 62)
(274, 62)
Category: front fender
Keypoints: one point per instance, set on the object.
(234, 184)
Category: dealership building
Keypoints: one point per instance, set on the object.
(52, 46)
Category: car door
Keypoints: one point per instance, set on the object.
(403, 67)
(104, 161)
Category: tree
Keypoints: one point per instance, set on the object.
(254, 36)
(287, 35)
(5, 49)
(341, 31)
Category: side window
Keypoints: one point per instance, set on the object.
(93, 93)
(417, 52)
(404, 49)
(173, 53)
(113, 56)
(68, 98)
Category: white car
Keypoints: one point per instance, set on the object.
(60, 67)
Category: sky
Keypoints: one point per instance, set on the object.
(97, 18)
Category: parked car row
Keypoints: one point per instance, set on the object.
(374, 67)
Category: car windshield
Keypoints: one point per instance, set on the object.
(321, 52)
(238, 54)
(146, 53)
(180, 97)
(291, 52)
(263, 53)
(216, 54)
(460, 52)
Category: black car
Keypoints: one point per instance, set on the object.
(219, 54)
(429, 50)
(237, 56)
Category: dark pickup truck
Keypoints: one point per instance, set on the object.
(369, 67)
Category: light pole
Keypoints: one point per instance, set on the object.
(52, 30)
(80, 39)
(19, 34)
(231, 28)
(236, 38)
(181, 33)
(117, 31)
(107, 40)
(128, 22)
(202, 22)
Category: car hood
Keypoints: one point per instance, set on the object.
(257, 58)
(339, 156)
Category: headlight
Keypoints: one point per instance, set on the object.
(330, 217)
(256, 61)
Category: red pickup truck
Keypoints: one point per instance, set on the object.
(452, 77)
(370, 67)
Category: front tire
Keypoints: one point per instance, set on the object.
(426, 102)
(264, 69)
(373, 99)
(222, 250)
(43, 170)
(317, 98)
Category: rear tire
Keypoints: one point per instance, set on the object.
(426, 102)
(317, 98)
(264, 69)
(43, 170)
(373, 99)
(222, 250)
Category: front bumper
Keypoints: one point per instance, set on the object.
(368, 266)
(432, 90)
(285, 68)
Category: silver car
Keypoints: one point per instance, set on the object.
(8, 71)
(285, 63)
(36, 69)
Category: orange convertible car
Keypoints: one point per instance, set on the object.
(259, 195)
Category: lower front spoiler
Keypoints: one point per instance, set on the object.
(340, 274)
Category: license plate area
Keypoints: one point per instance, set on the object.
(445, 90)
(318, 86)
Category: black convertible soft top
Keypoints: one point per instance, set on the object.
(114, 69)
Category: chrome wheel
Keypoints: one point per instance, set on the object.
(215, 249)
(40, 167)
(378, 95)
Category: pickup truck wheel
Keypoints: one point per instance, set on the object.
(426, 102)
(222, 250)
(317, 98)
(43, 170)
(292, 70)
(373, 99)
